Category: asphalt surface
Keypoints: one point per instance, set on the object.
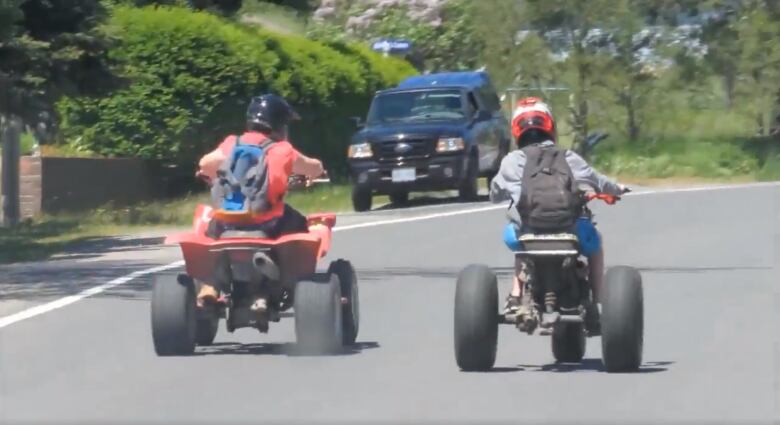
(709, 261)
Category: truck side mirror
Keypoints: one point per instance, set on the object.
(482, 115)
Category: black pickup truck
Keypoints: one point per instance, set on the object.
(432, 132)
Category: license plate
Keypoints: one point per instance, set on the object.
(404, 175)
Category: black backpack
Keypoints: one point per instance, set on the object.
(550, 199)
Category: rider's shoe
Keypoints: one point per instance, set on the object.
(522, 311)
(593, 320)
(513, 304)
(261, 310)
(207, 294)
(260, 306)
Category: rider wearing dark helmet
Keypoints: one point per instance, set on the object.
(267, 120)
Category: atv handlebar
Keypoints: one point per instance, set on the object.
(200, 175)
(295, 181)
(609, 199)
(298, 182)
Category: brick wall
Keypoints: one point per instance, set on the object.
(51, 184)
(30, 181)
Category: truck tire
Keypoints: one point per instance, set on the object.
(469, 186)
(361, 199)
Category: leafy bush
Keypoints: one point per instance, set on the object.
(190, 75)
(678, 158)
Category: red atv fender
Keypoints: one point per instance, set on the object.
(297, 254)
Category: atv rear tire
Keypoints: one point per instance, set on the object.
(622, 320)
(476, 318)
(207, 330)
(318, 315)
(568, 342)
(350, 312)
(173, 315)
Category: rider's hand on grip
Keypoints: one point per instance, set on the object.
(200, 175)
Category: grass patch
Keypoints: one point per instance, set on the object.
(26, 144)
(677, 158)
(770, 171)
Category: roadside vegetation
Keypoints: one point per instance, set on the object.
(687, 90)
(49, 234)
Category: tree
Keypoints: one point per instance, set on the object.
(226, 7)
(57, 49)
(507, 60)
(9, 16)
(724, 47)
(572, 21)
(305, 6)
(443, 43)
(626, 75)
(759, 62)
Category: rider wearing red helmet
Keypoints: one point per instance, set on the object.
(533, 125)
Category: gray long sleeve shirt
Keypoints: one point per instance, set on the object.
(508, 183)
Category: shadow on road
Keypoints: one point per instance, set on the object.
(286, 349)
(700, 269)
(594, 365)
(499, 369)
(449, 273)
(103, 245)
(57, 279)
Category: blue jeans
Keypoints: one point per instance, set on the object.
(590, 242)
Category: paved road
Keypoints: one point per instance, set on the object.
(710, 267)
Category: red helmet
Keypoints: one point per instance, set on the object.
(532, 113)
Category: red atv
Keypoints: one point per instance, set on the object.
(258, 279)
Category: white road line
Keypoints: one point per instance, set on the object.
(418, 218)
(62, 302)
(703, 188)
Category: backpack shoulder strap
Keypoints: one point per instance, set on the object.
(267, 142)
(549, 157)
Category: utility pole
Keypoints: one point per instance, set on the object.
(10, 171)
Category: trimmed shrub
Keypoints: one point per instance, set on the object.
(190, 75)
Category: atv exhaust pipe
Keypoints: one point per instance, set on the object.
(265, 266)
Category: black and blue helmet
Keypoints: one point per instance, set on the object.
(270, 112)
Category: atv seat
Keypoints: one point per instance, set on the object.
(259, 234)
(233, 217)
(549, 244)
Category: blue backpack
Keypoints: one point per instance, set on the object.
(242, 180)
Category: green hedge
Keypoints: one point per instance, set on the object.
(189, 76)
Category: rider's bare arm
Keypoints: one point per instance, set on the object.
(309, 167)
(508, 183)
(584, 173)
(211, 162)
